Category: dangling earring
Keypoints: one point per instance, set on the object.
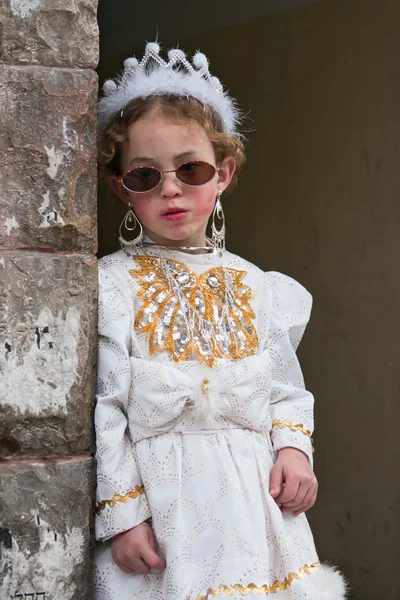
(129, 219)
(218, 235)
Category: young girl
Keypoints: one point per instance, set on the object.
(202, 420)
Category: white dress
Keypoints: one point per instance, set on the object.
(187, 432)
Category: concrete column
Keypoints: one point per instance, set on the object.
(48, 296)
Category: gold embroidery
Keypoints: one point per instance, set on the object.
(230, 590)
(118, 498)
(218, 330)
(289, 423)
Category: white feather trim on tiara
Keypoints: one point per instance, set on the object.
(153, 76)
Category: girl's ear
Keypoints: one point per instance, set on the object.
(118, 188)
(226, 172)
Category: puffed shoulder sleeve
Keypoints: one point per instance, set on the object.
(121, 500)
(292, 405)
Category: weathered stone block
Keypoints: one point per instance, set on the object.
(48, 157)
(46, 541)
(49, 32)
(48, 321)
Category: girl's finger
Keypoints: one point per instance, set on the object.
(312, 502)
(309, 501)
(289, 491)
(299, 499)
(130, 565)
(124, 567)
(152, 559)
(276, 480)
(139, 565)
(152, 539)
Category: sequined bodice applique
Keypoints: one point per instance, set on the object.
(205, 316)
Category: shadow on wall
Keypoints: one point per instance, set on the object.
(111, 211)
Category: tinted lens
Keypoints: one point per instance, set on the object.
(195, 173)
(142, 179)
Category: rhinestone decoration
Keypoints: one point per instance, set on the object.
(183, 278)
(213, 281)
(190, 316)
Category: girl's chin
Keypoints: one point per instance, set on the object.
(177, 236)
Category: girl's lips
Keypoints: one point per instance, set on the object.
(175, 215)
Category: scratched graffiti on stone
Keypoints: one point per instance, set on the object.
(28, 574)
(31, 595)
(50, 215)
(40, 378)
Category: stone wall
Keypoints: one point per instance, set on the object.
(48, 295)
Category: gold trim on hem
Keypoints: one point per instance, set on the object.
(118, 498)
(229, 590)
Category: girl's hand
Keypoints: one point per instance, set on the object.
(293, 484)
(135, 550)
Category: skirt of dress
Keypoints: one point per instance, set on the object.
(217, 526)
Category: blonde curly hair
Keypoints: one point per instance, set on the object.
(178, 108)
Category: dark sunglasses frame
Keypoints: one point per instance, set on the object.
(161, 173)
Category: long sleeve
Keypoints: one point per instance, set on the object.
(291, 404)
(121, 500)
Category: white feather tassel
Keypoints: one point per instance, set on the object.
(330, 583)
(210, 400)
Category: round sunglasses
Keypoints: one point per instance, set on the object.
(144, 179)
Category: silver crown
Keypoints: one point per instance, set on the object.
(154, 76)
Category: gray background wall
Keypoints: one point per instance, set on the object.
(319, 200)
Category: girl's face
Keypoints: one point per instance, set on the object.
(173, 213)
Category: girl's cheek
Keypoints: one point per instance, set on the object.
(141, 208)
(205, 204)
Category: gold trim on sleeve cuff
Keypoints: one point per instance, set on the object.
(289, 423)
(229, 590)
(139, 490)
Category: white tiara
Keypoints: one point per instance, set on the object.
(153, 76)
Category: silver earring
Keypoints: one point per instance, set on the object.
(130, 222)
(218, 235)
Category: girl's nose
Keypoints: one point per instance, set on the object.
(170, 186)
